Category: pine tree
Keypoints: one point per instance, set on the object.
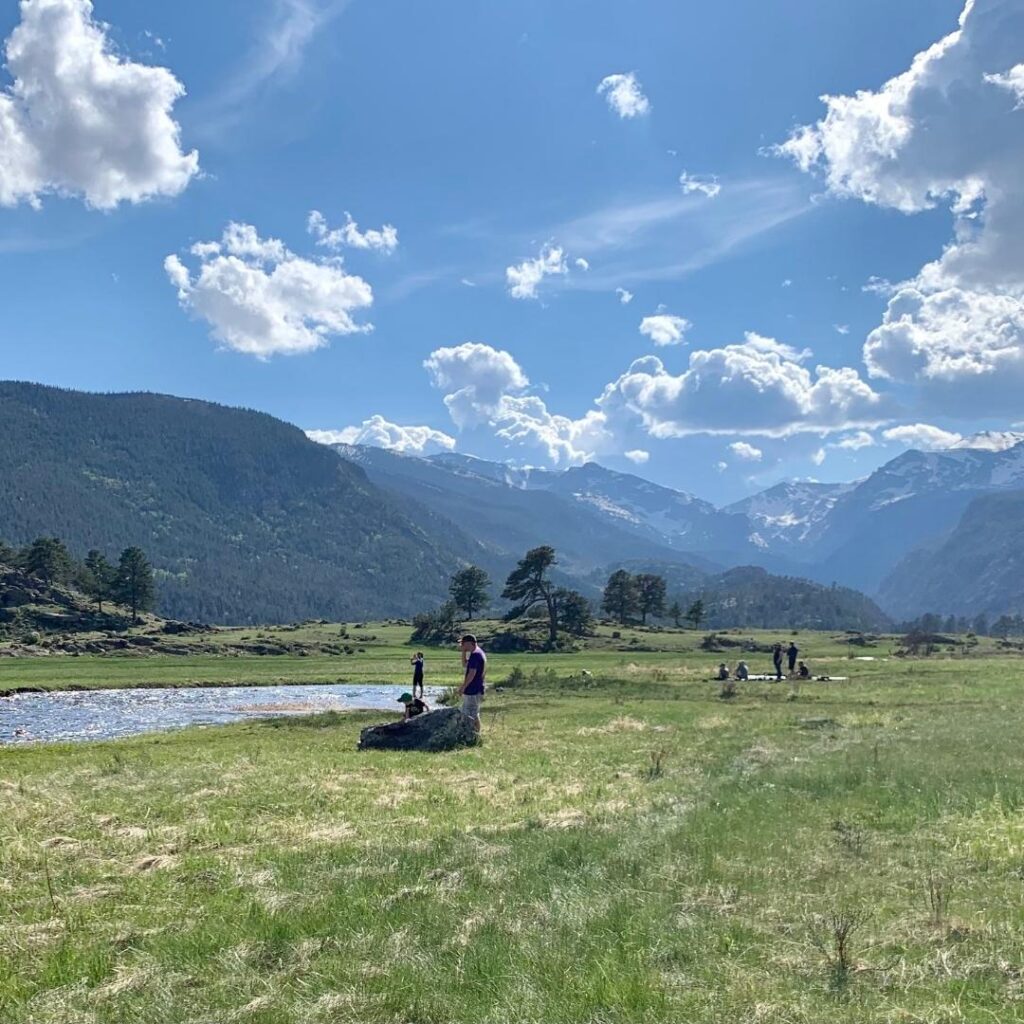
(98, 578)
(675, 613)
(134, 583)
(47, 558)
(651, 595)
(574, 614)
(696, 613)
(621, 599)
(468, 589)
(528, 585)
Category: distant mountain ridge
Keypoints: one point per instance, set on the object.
(853, 534)
(244, 518)
(247, 520)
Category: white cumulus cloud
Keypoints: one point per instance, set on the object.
(665, 329)
(524, 278)
(582, 264)
(385, 240)
(262, 300)
(487, 387)
(380, 433)
(922, 436)
(625, 296)
(746, 452)
(949, 131)
(706, 184)
(759, 386)
(624, 95)
(638, 456)
(80, 120)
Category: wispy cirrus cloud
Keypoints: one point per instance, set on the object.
(641, 240)
(284, 36)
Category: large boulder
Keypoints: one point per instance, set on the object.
(444, 729)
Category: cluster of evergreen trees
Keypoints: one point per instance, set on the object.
(129, 582)
(980, 625)
(628, 597)
(529, 586)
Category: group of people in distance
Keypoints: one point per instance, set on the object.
(780, 655)
(474, 670)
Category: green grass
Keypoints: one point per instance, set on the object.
(631, 849)
(381, 652)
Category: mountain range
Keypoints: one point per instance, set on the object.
(248, 520)
(859, 535)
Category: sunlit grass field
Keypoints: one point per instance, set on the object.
(380, 653)
(627, 848)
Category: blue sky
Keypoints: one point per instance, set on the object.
(478, 132)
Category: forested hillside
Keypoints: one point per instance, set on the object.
(752, 597)
(243, 517)
(978, 568)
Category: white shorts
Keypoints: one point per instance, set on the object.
(471, 705)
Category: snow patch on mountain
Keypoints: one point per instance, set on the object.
(991, 441)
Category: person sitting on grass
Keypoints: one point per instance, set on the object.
(472, 690)
(803, 671)
(742, 672)
(723, 672)
(413, 705)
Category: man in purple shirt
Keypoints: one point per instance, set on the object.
(472, 690)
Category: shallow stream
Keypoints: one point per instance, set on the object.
(105, 714)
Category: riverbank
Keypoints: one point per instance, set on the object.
(630, 850)
(379, 653)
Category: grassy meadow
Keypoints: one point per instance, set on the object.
(626, 848)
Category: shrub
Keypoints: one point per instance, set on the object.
(436, 627)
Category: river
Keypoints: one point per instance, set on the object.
(106, 714)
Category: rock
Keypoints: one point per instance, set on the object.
(444, 729)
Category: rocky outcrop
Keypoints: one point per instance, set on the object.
(444, 729)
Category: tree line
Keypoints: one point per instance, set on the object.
(529, 586)
(979, 625)
(627, 598)
(128, 582)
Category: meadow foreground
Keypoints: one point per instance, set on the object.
(625, 849)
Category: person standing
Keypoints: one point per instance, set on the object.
(777, 662)
(474, 684)
(417, 674)
(792, 653)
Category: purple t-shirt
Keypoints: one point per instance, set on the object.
(478, 661)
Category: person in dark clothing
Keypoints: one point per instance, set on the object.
(413, 705)
(777, 661)
(805, 672)
(417, 674)
(474, 685)
(792, 653)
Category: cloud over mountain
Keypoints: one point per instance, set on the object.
(756, 387)
(380, 433)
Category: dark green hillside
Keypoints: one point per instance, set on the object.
(977, 568)
(753, 598)
(244, 518)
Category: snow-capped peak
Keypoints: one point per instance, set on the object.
(991, 441)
